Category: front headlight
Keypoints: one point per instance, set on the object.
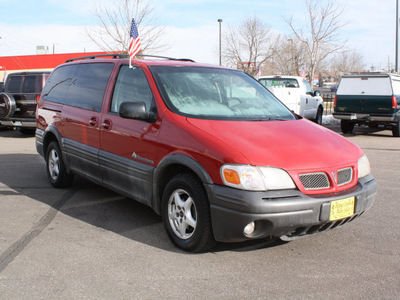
(364, 168)
(253, 178)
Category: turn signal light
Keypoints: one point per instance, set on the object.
(231, 176)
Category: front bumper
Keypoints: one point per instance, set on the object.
(287, 213)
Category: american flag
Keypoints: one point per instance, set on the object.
(135, 44)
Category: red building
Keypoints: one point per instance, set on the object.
(39, 62)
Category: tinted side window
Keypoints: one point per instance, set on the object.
(131, 86)
(14, 84)
(88, 86)
(29, 84)
(58, 83)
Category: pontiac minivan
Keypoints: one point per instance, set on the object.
(206, 147)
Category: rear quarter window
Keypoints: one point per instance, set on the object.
(58, 83)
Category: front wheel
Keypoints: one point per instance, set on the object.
(186, 214)
(56, 171)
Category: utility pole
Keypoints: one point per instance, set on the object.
(397, 38)
(220, 44)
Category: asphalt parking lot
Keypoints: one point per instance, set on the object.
(86, 242)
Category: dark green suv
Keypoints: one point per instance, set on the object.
(369, 99)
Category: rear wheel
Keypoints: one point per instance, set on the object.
(56, 171)
(346, 126)
(396, 129)
(186, 214)
(318, 117)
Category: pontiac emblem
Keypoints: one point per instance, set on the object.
(334, 176)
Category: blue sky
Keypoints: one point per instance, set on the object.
(191, 26)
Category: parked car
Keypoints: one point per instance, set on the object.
(18, 101)
(297, 95)
(369, 99)
(208, 148)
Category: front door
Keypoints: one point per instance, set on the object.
(128, 147)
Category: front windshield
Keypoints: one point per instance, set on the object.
(213, 93)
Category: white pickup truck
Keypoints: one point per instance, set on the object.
(297, 95)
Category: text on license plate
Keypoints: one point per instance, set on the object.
(341, 209)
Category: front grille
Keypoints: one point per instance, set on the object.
(301, 231)
(344, 176)
(314, 181)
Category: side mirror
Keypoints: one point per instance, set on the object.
(136, 111)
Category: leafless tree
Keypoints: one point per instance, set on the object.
(114, 22)
(287, 57)
(249, 45)
(347, 61)
(320, 36)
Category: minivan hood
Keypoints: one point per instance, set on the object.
(291, 145)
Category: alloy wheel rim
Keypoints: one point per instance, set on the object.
(182, 214)
(54, 164)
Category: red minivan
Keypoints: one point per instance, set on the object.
(206, 147)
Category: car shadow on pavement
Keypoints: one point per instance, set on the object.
(8, 132)
(94, 205)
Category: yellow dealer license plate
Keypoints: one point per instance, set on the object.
(341, 209)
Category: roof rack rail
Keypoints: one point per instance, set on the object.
(124, 55)
(114, 55)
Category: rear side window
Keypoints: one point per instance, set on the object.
(58, 83)
(88, 86)
(14, 84)
(29, 84)
(79, 85)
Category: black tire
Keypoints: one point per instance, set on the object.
(7, 105)
(318, 117)
(346, 126)
(396, 129)
(186, 214)
(56, 171)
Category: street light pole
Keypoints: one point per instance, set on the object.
(397, 38)
(220, 48)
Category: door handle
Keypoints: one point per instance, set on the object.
(107, 124)
(93, 121)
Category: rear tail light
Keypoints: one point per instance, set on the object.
(335, 101)
(37, 98)
(394, 102)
